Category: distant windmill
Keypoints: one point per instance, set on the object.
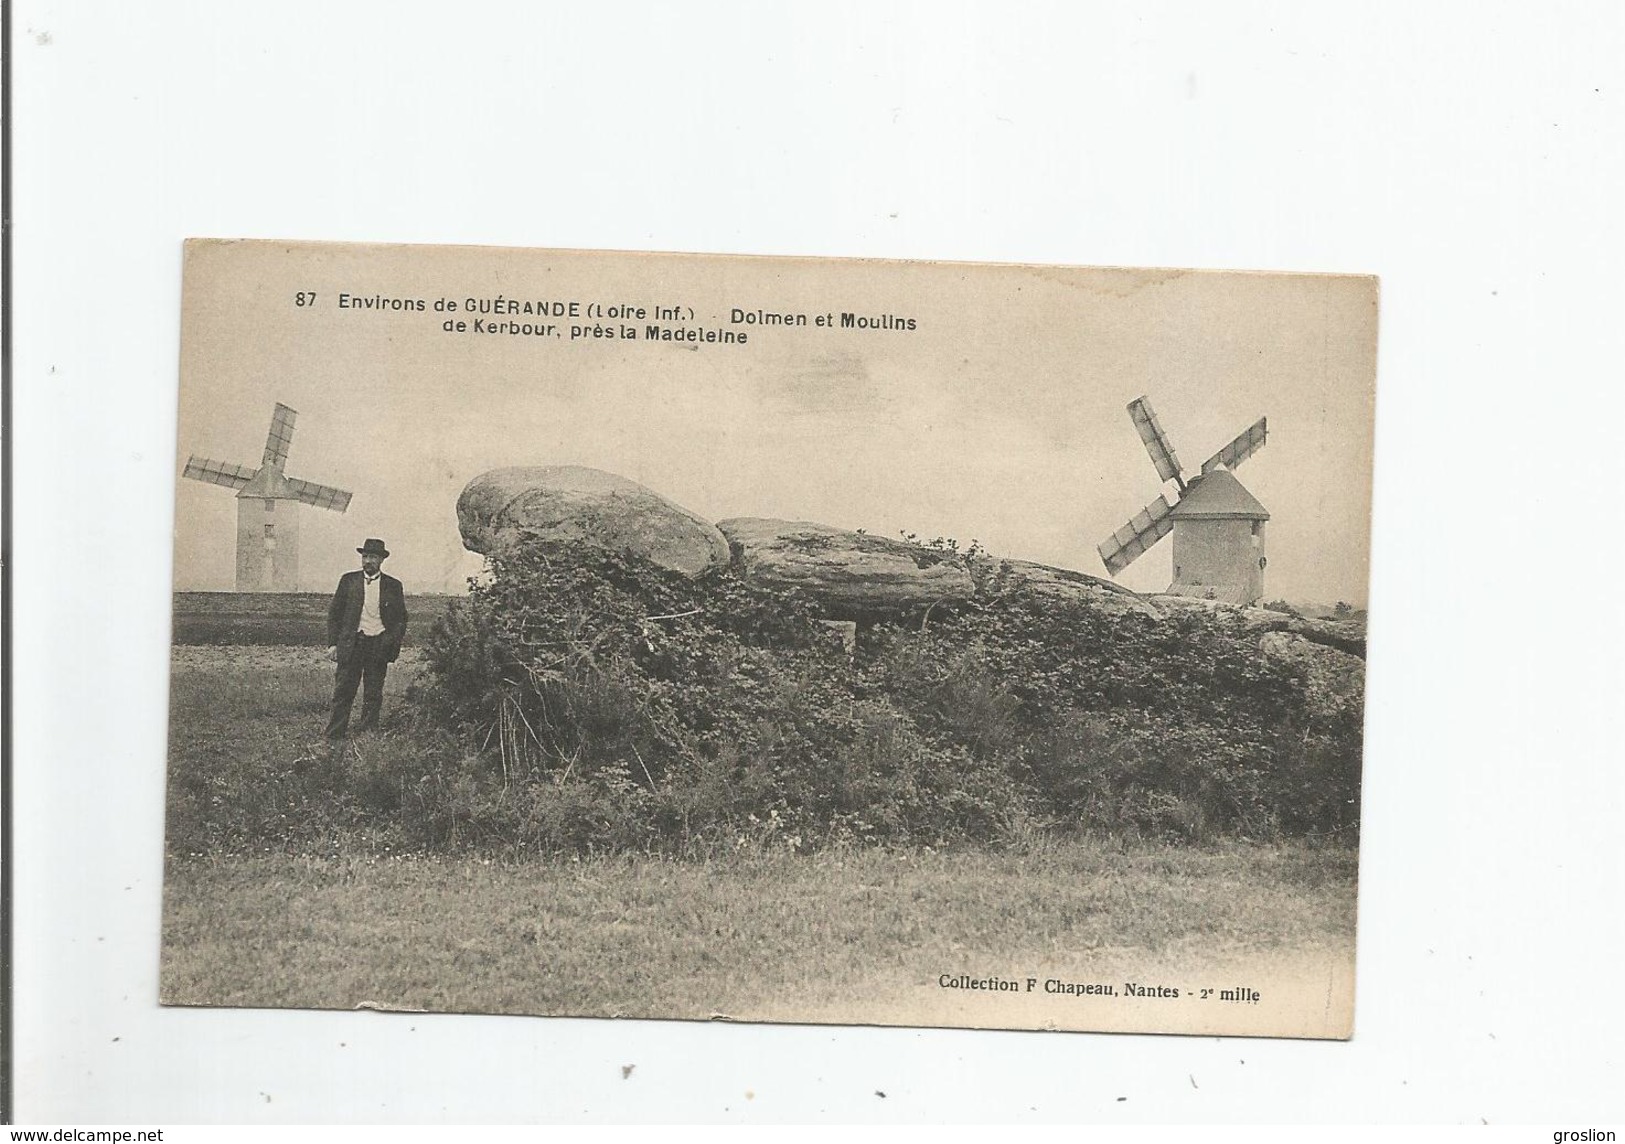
(1217, 524)
(268, 537)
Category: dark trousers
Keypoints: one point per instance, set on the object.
(364, 665)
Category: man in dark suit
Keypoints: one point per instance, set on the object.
(365, 625)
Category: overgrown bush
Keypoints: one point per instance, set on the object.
(605, 704)
(1174, 727)
(630, 707)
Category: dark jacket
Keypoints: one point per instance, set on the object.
(344, 615)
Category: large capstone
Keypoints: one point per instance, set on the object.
(1050, 583)
(851, 575)
(572, 507)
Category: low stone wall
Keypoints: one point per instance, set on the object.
(277, 618)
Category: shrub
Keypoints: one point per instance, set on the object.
(703, 709)
(1173, 727)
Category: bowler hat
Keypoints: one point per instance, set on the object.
(373, 547)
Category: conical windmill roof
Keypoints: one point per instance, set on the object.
(1219, 496)
(269, 484)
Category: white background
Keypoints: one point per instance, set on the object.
(1469, 154)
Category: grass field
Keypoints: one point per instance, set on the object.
(848, 935)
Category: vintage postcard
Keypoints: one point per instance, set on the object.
(768, 639)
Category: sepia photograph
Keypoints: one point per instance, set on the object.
(595, 634)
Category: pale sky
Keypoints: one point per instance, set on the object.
(1001, 417)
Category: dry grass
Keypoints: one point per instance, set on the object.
(644, 937)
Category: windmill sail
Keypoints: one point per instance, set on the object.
(321, 496)
(1131, 541)
(1244, 446)
(217, 472)
(280, 436)
(1156, 441)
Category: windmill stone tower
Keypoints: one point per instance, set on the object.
(1218, 525)
(267, 509)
